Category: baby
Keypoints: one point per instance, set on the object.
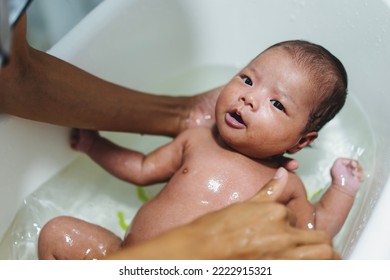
(275, 105)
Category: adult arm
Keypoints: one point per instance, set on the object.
(38, 86)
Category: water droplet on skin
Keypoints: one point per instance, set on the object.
(342, 180)
(103, 249)
(234, 196)
(311, 225)
(68, 240)
(270, 190)
(214, 185)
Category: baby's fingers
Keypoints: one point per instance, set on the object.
(357, 170)
(74, 138)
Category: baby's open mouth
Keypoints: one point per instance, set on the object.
(237, 117)
(235, 120)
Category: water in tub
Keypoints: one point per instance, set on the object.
(84, 190)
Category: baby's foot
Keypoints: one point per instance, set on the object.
(347, 174)
(82, 139)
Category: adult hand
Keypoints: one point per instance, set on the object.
(258, 228)
(201, 110)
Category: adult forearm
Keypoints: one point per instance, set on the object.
(38, 86)
(50, 90)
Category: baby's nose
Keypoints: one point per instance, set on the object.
(248, 100)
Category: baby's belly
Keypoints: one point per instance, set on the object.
(169, 210)
(190, 194)
(160, 215)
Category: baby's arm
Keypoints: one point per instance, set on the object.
(334, 206)
(126, 164)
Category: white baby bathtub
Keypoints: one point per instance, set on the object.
(186, 46)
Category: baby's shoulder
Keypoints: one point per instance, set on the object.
(294, 178)
(295, 184)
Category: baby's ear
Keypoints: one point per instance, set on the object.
(305, 141)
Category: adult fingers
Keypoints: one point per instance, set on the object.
(272, 190)
(312, 252)
(310, 245)
(306, 237)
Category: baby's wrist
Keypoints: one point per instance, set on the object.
(345, 188)
(91, 144)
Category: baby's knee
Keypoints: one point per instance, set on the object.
(51, 235)
(55, 226)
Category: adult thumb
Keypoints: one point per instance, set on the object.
(272, 190)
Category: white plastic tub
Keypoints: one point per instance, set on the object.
(186, 46)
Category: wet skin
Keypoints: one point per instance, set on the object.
(261, 113)
(211, 176)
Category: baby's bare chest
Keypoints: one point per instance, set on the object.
(215, 176)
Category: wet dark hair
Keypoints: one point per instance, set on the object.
(328, 77)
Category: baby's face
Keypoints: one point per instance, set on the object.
(263, 110)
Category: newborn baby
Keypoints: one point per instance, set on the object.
(276, 104)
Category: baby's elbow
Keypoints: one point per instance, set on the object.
(135, 179)
(141, 179)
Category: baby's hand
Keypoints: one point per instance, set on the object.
(82, 139)
(347, 174)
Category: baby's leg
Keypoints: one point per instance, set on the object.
(71, 238)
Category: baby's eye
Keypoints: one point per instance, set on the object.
(247, 80)
(278, 105)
